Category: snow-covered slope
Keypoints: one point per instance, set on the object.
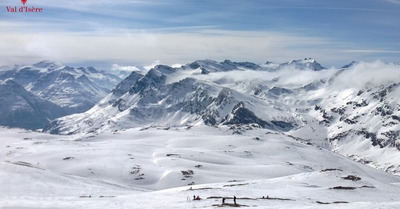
(20, 108)
(165, 167)
(361, 113)
(74, 89)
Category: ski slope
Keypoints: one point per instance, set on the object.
(163, 167)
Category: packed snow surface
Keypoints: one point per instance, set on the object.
(163, 167)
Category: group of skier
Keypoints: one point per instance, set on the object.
(223, 199)
(234, 200)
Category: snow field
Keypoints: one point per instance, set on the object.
(161, 167)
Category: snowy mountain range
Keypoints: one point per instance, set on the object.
(352, 110)
(196, 93)
(70, 90)
(264, 133)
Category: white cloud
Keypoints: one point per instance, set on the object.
(152, 65)
(394, 1)
(370, 51)
(117, 67)
(367, 74)
(362, 75)
(176, 65)
(170, 46)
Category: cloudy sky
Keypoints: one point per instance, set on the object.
(140, 32)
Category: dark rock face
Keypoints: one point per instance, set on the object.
(277, 91)
(153, 79)
(351, 64)
(283, 126)
(370, 104)
(242, 115)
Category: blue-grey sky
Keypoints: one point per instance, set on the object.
(141, 32)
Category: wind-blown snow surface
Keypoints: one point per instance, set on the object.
(165, 167)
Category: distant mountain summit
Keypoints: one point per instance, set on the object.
(207, 66)
(73, 90)
(351, 64)
(307, 63)
(46, 64)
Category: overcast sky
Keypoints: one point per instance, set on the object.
(135, 32)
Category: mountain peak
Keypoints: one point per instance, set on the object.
(8, 81)
(47, 64)
(165, 69)
(351, 64)
(304, 61)
(303, 64)
(312, 60)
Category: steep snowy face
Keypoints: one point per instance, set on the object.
(20, 108)
(74, 89)
(358, 114)
(126, 84)
(363, 123)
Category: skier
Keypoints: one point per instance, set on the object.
(234, 200)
